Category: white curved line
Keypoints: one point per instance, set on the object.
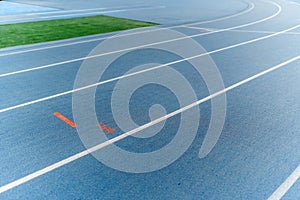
(77, 156)
(103, 38)
(60, 11)
(142, 71)
(142, 46)
(231, 16)
(294, 2)
(82, 14)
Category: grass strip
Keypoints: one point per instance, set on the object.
(45, 31)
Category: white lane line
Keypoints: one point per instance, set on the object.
(53, 12)
(142, 71)
(141, 46)
(102, 38)
(124, 135)
(82, 14)
(71, 11)
(251, 6)
(286, 185)
(243, 31)
(293, 2)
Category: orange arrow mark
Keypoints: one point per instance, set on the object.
(64, 119)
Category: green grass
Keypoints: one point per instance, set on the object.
(44, 31)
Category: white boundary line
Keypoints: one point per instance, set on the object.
(243, 31)
(67, 11)
(141, 46)
(293, 2)
(142, 71)
(53, 12)
(124, 135)
(286, 185)
(79, 14)
(230, 16)
(102, 38)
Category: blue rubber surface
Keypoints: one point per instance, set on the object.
(293, 192)
(154, 11)
(11, 8)
(256, 152)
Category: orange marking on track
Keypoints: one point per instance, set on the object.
(64, 119)
(104, 128)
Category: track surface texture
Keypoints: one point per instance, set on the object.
(204, 106)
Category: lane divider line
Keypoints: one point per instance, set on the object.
(286, 185)
(142, 71)
(51, 12)
(241, 31)
(79, 155)
(251, 7)
(142, 46)
(58, 16)
(65, 119)
(70, 11)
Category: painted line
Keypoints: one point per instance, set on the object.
(81, 10)
(54, 12)
(64, 119)
(243, 31)
(83, 14)
(67, 11)
(102, 38)
(138, 129)
(293, 2)
(141, 46)
(251, 6)
(142, 71)
(286, 185)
